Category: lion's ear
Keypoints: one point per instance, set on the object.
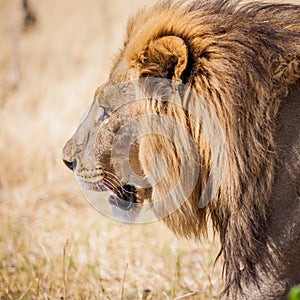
(165, 57)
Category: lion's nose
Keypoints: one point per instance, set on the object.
(70, 164)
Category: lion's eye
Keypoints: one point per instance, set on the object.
(106, 113)
(103, 114)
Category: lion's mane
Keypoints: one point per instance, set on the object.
(243, 59)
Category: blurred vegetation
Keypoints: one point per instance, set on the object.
(295, 293)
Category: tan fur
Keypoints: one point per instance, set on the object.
(244, 60)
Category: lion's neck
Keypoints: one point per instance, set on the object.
(257, 255)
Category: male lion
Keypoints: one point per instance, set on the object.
(210, 90)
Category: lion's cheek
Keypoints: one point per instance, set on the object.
(104, 142)
(160, 165)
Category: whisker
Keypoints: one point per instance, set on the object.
(112, 174)
(111, 185)
(113, 177)
(115, 180)
(118, 185)
(101, 186)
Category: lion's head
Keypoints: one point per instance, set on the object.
(185, 125)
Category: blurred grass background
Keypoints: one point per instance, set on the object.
(53, 244)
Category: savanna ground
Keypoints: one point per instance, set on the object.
(53, 244)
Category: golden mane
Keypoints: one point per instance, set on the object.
(243, 59)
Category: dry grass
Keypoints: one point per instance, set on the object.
(53, 245)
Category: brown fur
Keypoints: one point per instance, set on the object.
(244, 59)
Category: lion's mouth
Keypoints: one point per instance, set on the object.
(124, 197)
(123, 201)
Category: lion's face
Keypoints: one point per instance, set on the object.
(122, 145)
(140, 139)
(91, 154)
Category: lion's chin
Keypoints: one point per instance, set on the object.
(125, 215)
(120, 203)
(125, 207)
(124, 210)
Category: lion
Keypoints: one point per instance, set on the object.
(199, 120)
